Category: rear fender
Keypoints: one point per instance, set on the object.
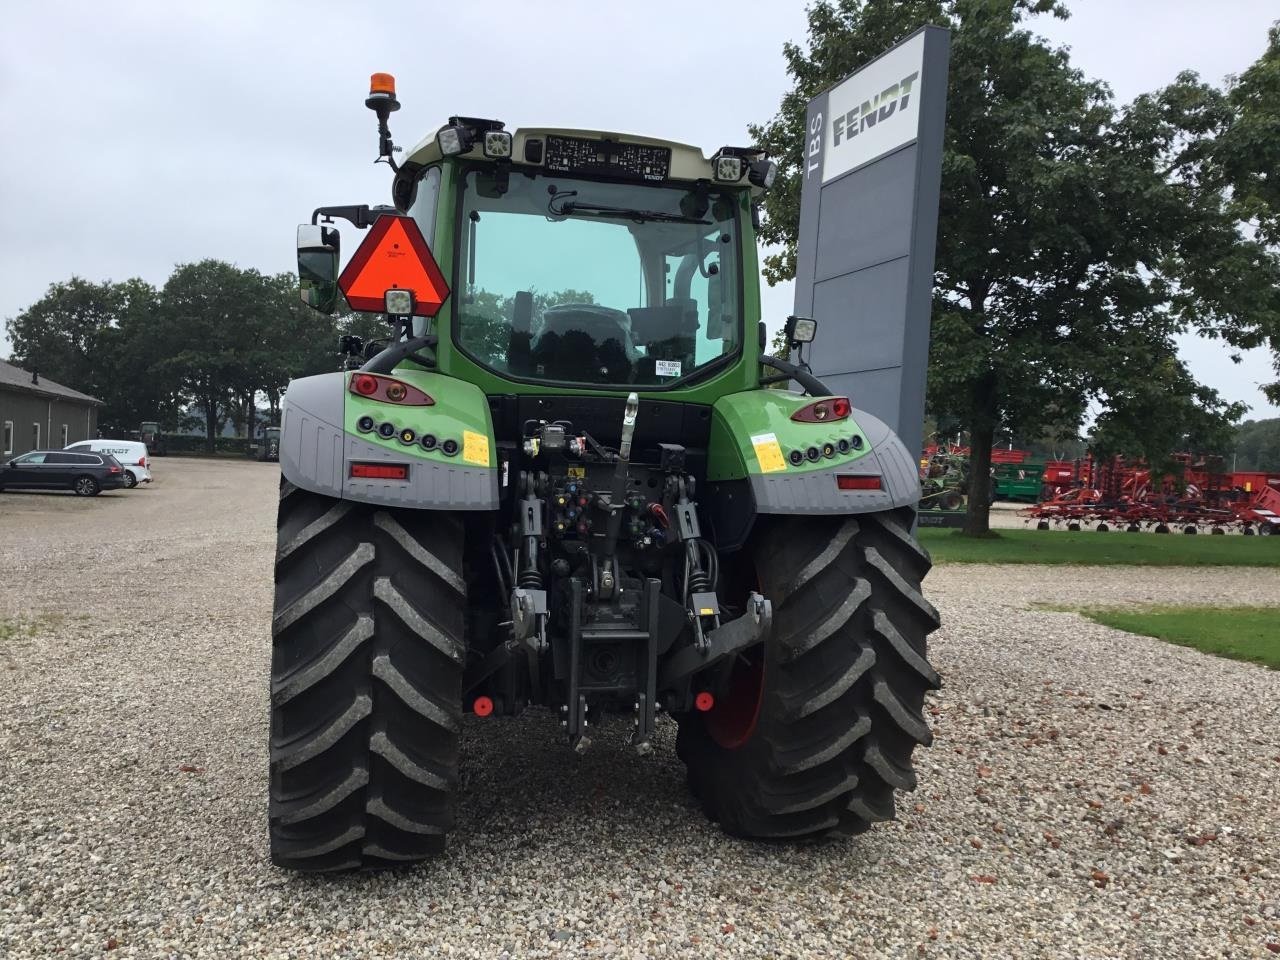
(751, 468)
(321, 438)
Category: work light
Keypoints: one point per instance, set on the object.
(453, 140)
(398, 303)
(727, 168)
(497, 144)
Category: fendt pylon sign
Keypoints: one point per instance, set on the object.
(868, 224)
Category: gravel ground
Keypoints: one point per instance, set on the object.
(1089, 794)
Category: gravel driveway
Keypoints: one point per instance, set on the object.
(1089, 793)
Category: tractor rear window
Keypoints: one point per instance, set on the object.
(575, 281)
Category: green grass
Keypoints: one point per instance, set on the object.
(1240, 633)
(1090, 548)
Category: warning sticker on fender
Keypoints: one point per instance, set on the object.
(475, 448)
(768, 453)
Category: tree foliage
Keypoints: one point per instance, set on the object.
(1075, 238)
(1257, 445)
(214, 337)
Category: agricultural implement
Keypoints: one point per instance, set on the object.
(1198, 498)
(564, 484)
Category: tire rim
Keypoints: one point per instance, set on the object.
(732, 721)
(84, 486)
(129, 481)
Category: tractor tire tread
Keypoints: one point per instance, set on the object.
(366, 691)
(846, 675)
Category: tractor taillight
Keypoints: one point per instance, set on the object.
(848, 481)
(824, 411)
(374, 386)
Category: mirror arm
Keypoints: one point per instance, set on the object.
(362, 215)
(386, 360)
(812, 385)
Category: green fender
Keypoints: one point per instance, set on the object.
(322, 437)
(752, 463)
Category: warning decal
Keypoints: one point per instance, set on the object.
(768, 453)
(475, 448)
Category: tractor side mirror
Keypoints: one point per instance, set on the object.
(318, 266)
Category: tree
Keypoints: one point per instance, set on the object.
(1248, 153)
(1073, 239)
(99, 338)
(217, 320)
(1257, 445)
(58, 334)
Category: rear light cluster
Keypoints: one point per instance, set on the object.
(408, 436)
(850, 481)
(373, 386)
(828, 450)
(824, 411)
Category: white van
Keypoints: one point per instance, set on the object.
(132, 455)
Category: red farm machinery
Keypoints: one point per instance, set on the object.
(1194, 495)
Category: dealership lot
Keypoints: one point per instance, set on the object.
(1089, 793)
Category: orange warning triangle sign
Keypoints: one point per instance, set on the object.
(394, 256)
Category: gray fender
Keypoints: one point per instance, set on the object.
(315, 451)
(815, 492)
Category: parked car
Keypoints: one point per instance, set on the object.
(132, 454)
(88, 474)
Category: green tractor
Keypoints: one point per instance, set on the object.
(565, 486)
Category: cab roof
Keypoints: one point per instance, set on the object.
(688, 163)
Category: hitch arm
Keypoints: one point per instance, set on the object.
(724, 641)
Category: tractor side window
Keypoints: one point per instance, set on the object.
(425, 202)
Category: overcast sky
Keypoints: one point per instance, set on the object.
(140, 135)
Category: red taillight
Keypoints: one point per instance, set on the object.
(848, 481)
(142, 462)
(113, 469)
(380, 471)
(704, 701)
(482, 707)
(824, 411)
(377, 387)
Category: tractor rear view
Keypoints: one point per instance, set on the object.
(564, 485)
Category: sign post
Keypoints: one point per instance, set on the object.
(868, 224)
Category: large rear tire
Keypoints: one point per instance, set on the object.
(816, 730)
(366, 682)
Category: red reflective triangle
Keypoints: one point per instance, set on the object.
(394, 256)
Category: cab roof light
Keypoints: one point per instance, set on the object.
(453, 140)
(827, 410)
(461, 133)
(497, 144)
(727, 169)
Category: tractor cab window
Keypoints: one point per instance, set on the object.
(575, 281)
